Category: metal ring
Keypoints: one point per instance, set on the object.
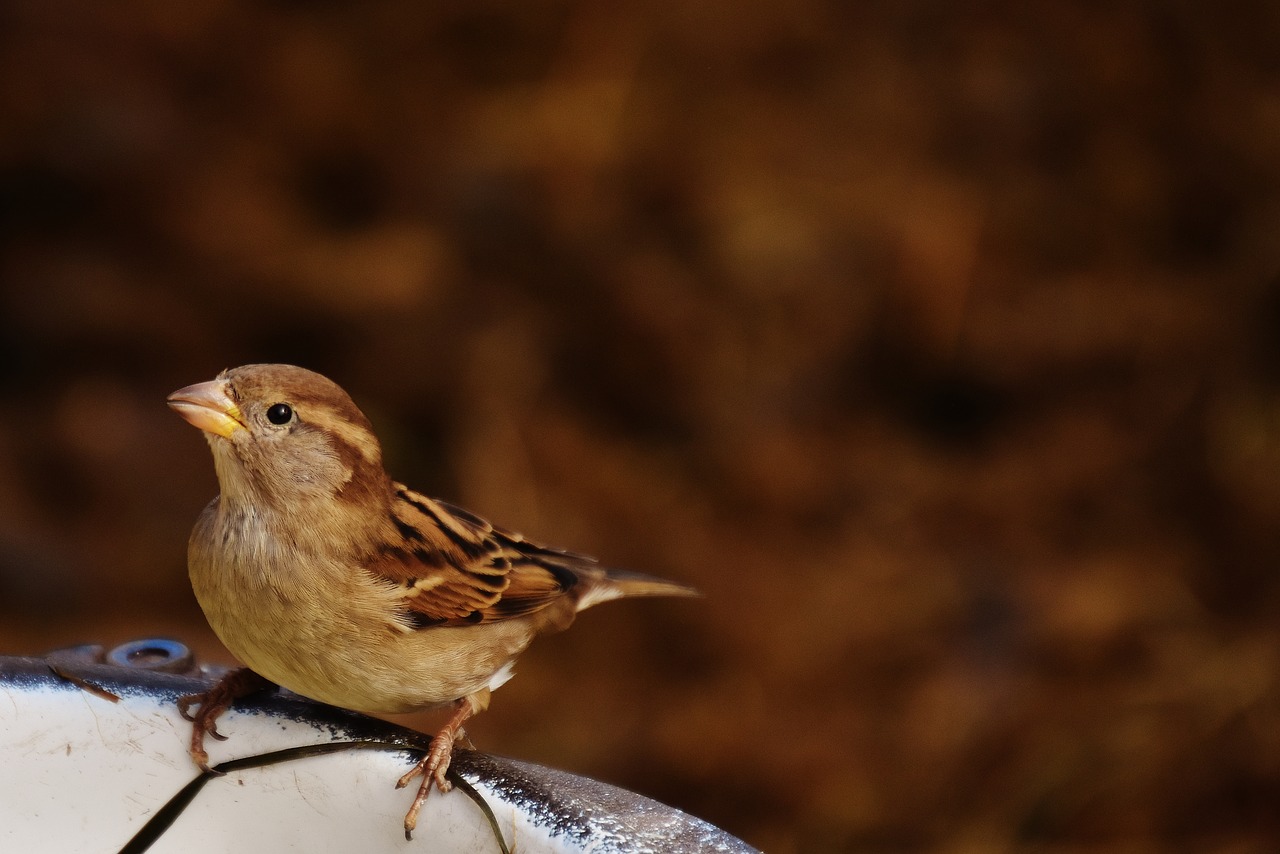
(162, 654)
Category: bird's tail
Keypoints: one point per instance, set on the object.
(618, 583)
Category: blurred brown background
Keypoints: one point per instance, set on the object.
(936, 343)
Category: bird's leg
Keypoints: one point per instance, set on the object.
(435, 764)
(231, 687)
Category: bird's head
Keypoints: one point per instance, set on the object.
(283, 437)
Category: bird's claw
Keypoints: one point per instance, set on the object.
(433, 767)
(185, 703)
(211, 704)
(201, 758)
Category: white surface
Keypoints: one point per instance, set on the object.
(81, 773)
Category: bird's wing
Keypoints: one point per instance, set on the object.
(457, 569)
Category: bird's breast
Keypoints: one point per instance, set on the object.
(325, 628)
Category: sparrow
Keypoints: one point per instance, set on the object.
(323, 575)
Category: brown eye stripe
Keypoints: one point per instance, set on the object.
(352, 438)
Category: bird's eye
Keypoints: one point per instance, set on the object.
(279, 413)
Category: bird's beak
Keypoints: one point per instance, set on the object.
(207, 406)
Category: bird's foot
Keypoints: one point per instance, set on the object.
(434, 766)
(212, 703)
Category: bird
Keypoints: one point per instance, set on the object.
(322, 574)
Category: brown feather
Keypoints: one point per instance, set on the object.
(328, 577)
(458, 569)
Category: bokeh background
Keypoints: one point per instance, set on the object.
(939, 344)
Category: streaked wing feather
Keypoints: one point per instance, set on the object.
(457, 569)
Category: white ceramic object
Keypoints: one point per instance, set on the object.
(80, 772)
